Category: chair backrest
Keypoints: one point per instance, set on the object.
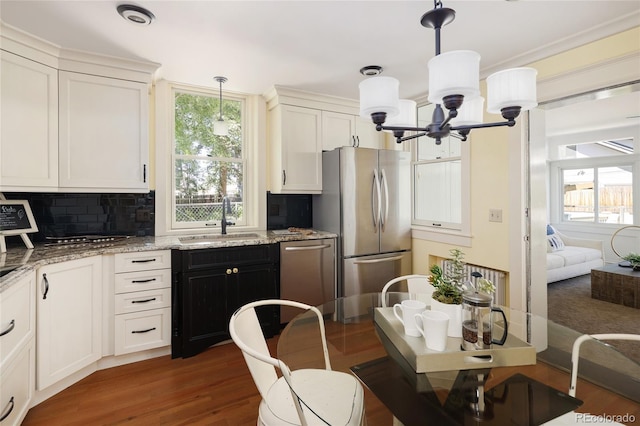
(575, 352)
(418, 285)
(246, 333)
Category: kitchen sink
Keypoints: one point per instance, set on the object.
(207, 239)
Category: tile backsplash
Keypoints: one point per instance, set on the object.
(285, 210)
(65, 214)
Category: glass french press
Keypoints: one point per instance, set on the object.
(477, 321)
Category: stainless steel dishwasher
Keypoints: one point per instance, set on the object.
(307, 273)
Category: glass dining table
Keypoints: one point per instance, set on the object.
(487, 389)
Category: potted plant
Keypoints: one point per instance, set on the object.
(634, 260)
(448, 288)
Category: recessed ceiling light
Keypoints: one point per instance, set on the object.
(135, 14)
(371, 70)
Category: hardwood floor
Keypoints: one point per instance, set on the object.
(212, 388)
(215, 388)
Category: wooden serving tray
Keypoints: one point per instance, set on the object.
(513, 352)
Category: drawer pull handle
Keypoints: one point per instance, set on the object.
(143, 260)
(46, 286)
(235, 270)
(144, 301)
(12, 325)
(142, 281)
(142, 331)
(8, 410)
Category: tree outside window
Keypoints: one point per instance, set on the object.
(207, 167)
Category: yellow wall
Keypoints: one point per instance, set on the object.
(490, 164)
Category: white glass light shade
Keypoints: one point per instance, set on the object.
(470, 112)
(512, 87)
(379, 94)
(407, 117)
(220, 128)
(454, 73)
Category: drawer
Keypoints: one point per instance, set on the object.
(142, 280)
(17, 384)
(142, 260)
(142, 330)
(142, 300)
(17, 316)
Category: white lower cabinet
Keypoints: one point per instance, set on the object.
(18, 383)
(69, 311)
(142, 301)
(17, 350)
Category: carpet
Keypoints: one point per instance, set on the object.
(570, 304)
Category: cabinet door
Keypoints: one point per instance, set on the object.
(366, 134)
(205, 318)
(17, 384)
(69, 318)
(338, 130)
(301, 150)
(29, 131)
(17, 316)
(256, 282)
(103, 133)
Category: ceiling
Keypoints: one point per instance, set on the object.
(317, 46)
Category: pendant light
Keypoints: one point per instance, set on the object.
(454, 86)
(220, 127)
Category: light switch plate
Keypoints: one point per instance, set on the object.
(495, 215)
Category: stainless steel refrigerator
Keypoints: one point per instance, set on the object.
(366, 201)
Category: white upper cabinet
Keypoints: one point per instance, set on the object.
(367, 135)
(29, 130)
(340, 129)
(301, 126)
(104, 141)
(296, 151)
(72, 121)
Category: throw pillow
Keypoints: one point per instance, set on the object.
(554, 243)
(550, 230)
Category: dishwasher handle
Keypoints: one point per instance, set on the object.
(303, 248)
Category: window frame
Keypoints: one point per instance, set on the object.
(450, 233)
(253, 153)
(556, 183)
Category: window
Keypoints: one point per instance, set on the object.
(439, 186)
(595, 182)
(207, 167)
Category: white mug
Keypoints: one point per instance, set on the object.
(408, 309)
(433, 326)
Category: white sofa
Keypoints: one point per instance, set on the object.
(572, 257)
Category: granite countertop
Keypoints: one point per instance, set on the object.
(27, 260)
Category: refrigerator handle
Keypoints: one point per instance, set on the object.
(385, 194)
(375, 199)
(381, 260)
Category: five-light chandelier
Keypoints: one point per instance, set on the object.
(453, 83)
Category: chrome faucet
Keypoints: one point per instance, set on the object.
(226, 208)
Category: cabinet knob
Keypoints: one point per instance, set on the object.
(235, 270)
(229, 271)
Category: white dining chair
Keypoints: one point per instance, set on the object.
(418, 286)
(299, 397)
(573, 418)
